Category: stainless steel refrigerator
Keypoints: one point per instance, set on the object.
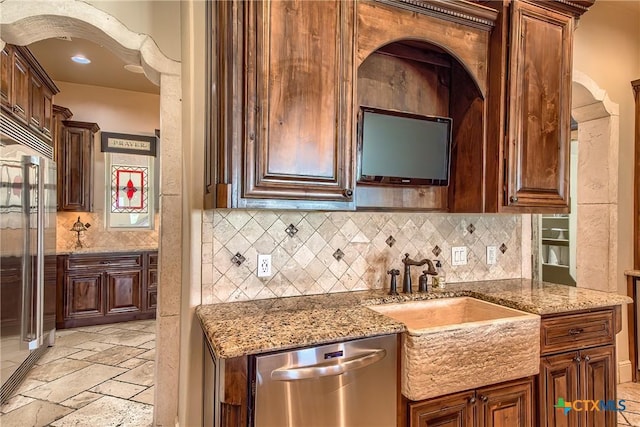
(27, 252)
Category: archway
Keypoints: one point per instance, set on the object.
(22, 23)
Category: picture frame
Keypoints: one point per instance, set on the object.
(113, 142)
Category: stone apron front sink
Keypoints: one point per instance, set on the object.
(457, 344)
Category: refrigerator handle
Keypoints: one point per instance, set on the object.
(42, 170)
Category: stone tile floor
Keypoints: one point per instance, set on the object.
(92, 376)
(630, 392)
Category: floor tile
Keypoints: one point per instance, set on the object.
(145, 396)
(125, 337)
(632, 419)
(149, 355)
(115, 355)
(72, 384)
(81, 399)
(93, 346)
(28, 384)
(56, 369)
(82, 354)
(94, 328)
(109, 412)
(622, 421)
(630, 391)
(149, 345)
(142, 375)
(56, 352)
(14, 403)
(118, 389)
(132, 363)
(72, 340)
(36, 414)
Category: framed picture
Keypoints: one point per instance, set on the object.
(128, 144)
(130, 203)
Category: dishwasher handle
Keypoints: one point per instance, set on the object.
(335, 367)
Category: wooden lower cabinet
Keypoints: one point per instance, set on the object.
(502, 405)
(105, 288)
(578, 365)
(585, 375)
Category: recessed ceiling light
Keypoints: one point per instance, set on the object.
(79, 59)
(134, 68)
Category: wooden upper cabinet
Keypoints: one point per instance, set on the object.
(26, 91)
(281, 104)
(5, 75)
(539, 114)
(75, 166)
(299, 96)
(20, 87)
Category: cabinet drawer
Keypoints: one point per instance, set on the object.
(153, 259)
(576, 331)
(103, 261)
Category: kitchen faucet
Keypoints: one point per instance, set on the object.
(408, 262)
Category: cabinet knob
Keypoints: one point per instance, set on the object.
(587, 358)
(484, 398)
(472, 400)
(347, 192)
(577, 359)
(513, 199)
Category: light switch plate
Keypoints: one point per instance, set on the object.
(492, 255)
(459, 255)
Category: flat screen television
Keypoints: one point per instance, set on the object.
(396, 148)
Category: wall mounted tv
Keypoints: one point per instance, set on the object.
(396, 148)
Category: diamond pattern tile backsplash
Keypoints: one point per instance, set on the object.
(305, 262)
(98, 238)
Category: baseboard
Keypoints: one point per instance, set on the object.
(624, 372)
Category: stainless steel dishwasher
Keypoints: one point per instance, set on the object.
(348, 384)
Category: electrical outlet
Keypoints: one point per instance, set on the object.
(264, 265)
(459, 255)
(492, 255)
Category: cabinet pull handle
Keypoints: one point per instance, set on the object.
(577, 359)
(513, 199)
(347, 192)
(17, 109)
(105, 262)
(576, 331)
(472, 400)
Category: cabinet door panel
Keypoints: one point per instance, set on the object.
(299, 89)
(5, 76)
(507, 405)
(450, 411)
(558, 379)
(123, 291)
(75, 170)
(539, 107)
(47, 113)
(598, 382)
(83, 295)
(37, 103)
(20, 87)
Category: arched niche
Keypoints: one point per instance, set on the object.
(418, 76)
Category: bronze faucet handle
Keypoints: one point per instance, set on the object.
(393, 272)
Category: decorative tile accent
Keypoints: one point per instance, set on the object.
(291, 230)
(471, 228)
(338, 254)
(304, 263)
(390, 241)
(238, 259)
(503, 248)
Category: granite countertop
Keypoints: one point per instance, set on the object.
(252, 327)
(102, 250)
